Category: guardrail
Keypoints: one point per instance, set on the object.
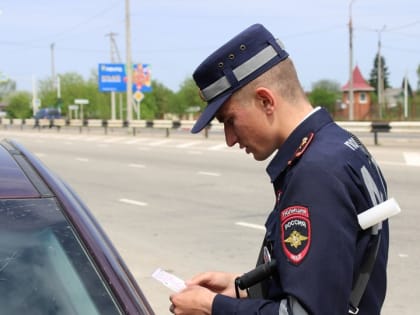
(374, 127)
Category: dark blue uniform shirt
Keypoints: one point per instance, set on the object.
(323, 178)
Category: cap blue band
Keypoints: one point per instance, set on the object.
(240, 72)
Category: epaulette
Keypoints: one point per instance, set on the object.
(304, 144)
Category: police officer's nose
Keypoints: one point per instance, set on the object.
(230, 136)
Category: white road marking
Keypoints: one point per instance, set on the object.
(218, 147)
(73, 138)
(40, 154)
(133, 202)
(113, 139)
(137, 165)
(251, 225)
(412, 158)
(391, 163)
(195, 152)
(188, 144)
(157, 143)
(403, 255)
(90, 139)
(208, 173)
(82, 159)
(135, 141)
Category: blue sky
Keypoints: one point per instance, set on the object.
(174, 36)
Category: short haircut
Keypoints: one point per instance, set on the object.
(282, 78)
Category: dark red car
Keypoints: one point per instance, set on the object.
(54, 256)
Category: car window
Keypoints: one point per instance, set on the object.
(48, 113)
(43, 267)
(40, 114)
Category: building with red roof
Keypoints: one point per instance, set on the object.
(362, 103)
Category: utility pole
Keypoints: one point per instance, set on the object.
(380, 75)
(113, 48)
(52, 65)
(34, 96)
(405, 96)
(129, 66)
(58, 88)
(351, 92)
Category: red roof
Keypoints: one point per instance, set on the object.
(359, 83)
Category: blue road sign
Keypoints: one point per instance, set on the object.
(112, 77)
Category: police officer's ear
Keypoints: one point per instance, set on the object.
(266, 99)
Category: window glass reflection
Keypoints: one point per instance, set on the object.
(43, 267)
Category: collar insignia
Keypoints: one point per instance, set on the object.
(304, 144)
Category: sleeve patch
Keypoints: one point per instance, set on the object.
(295, 232)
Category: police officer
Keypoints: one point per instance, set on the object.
(323, 177)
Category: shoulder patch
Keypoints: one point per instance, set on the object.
(295, 232)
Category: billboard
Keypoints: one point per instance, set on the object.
(112, 77)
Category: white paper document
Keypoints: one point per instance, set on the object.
(169, 280)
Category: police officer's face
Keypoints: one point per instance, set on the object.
(247, 123)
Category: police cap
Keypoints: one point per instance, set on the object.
(241, 60)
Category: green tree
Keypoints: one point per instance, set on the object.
(99, 102)
(73, 86)
(19, 105)
(415, 107)
(373, 79)
(187, 97)
(7, 86)
(325, 93)
(409, 89)
(156, 103)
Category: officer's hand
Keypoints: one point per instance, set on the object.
(194, 300)
(218, 282)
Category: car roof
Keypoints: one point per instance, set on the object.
(14, 183)
(23, 176)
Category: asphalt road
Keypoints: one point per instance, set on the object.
(189, 204)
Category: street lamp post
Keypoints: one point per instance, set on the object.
(52, 66)
(351, 92)
(129, 67)
(380, 75)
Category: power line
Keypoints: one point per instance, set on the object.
(76, 26)
(413, 51)
(330, 29)
(31, 46)
(403, 26)
(389, 29)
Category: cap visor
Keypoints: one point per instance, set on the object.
(208, 114)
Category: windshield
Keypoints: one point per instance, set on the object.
(43, 267)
